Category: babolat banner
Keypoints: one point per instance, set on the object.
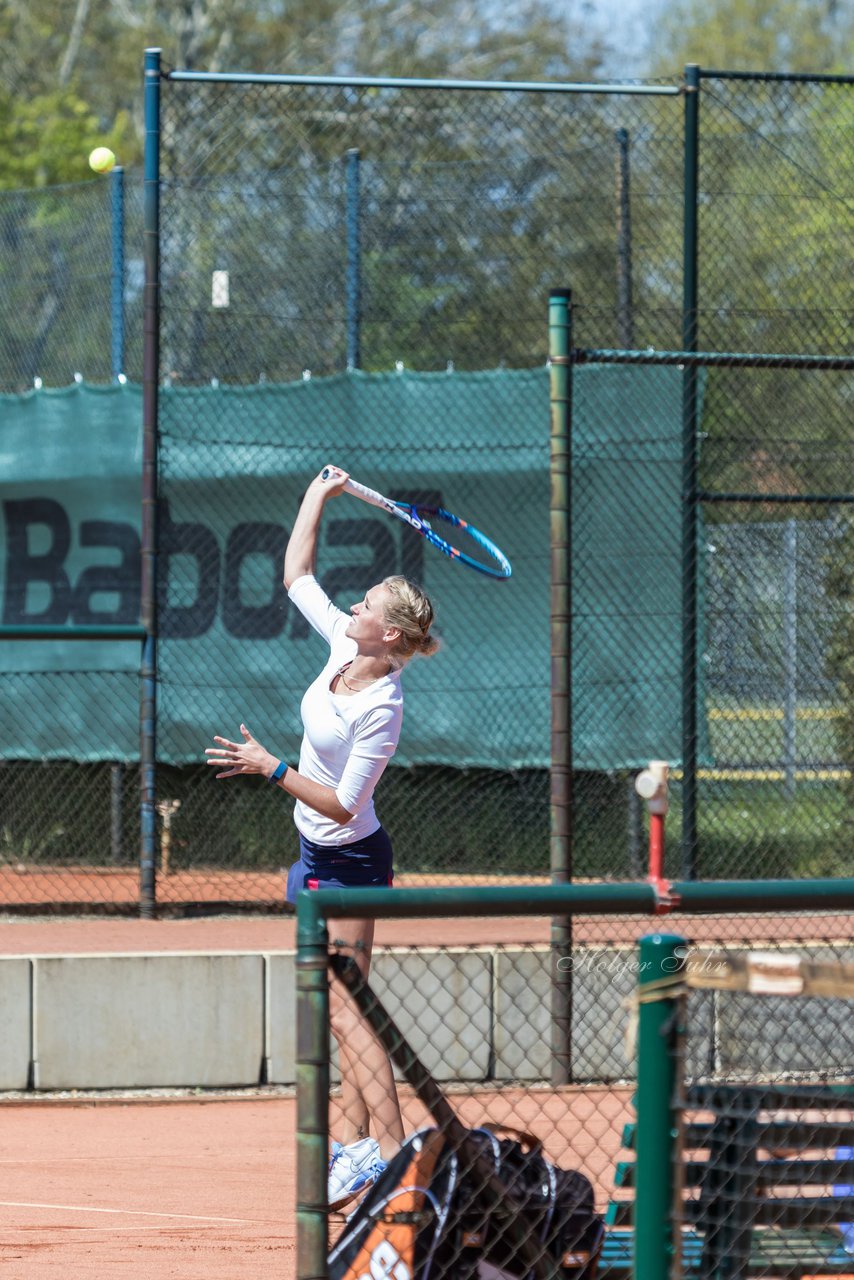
(233, 465)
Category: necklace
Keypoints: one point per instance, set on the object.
(357, 679)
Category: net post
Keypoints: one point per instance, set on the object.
(660, 1039)
(312, 1072)
(561, 803)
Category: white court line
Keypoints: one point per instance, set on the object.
(25, 1234)
(127, 1213)
(24, 1163)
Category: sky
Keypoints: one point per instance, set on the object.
(628, 26)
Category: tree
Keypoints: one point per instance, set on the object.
(72, 79)
(753, 35)
(95, 51)
(46, 139)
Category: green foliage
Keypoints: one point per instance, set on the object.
(58, 69)
(45, 140)
(754, 35)
(89, 77)
(840, 658)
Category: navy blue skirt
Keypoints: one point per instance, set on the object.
(365, 863)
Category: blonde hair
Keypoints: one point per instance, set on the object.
(408, 609)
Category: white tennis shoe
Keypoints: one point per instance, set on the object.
(352, 1169)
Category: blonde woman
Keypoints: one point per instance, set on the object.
(352, 716)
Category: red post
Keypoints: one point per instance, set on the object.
(656, 847)
(651, 784)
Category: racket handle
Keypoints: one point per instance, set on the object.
(362, 491)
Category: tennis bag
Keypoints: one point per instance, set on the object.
(427, 1217)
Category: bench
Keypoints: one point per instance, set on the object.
(767, 1185)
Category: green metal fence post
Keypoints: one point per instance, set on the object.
(560, 395)
(312, 1069)
(689, 476)
(660, 1033)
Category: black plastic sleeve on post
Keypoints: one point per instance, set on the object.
(150, 387)
(561, 804)
(354, 260)
(117, 290)
(625, 318)
(560, 399)
(689, 476)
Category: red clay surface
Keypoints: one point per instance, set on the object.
(118, 887)
(99, 935)
(206, 1190)
(143, 1191)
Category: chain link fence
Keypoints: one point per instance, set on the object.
(372, 225)
(60, 249)
(774, 225)
(474, 1034)
(779, 438)
(769, 471)
(358, 273)
(345, 248)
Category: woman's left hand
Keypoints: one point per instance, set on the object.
(240, 757)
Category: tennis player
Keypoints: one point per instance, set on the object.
(352, 716)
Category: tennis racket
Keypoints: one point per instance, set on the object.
(487, 557)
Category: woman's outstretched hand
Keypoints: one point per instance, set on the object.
(240, 757)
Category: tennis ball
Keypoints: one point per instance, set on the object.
(102, 160)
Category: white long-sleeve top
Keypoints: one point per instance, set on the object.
(347, 740)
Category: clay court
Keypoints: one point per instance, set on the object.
(146, 1190)
(22, 935)
(204, 1186)
(198, 1188)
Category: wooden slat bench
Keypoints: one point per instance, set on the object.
(759, 1168)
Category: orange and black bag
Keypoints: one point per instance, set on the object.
(431, 1216)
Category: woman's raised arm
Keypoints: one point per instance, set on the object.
(301, 551)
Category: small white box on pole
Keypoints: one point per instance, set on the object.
(219, 289)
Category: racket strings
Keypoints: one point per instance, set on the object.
(460, 540)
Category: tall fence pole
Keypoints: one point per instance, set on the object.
(117, 294)
(689, 477)
(626, 339)
(117, 367)
(150, 398)
(312, 1070)
(560, 518)
(354, 261)
(660, 1038)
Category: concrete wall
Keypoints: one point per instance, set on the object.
(126, 1021)
(229, 1019)
(16, 981)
